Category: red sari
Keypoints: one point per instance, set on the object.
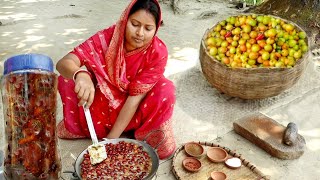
(118, 74)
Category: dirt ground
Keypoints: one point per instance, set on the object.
(54, 27)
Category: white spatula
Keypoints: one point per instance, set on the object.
(96, 151)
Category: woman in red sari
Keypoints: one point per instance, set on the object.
(123, 84)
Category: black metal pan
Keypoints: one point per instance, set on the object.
(146, 147)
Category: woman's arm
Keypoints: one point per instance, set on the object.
(84, 86)
(126, 113)
(68, 65)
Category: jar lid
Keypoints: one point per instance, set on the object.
(28, 61)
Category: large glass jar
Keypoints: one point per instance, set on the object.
(29, 90)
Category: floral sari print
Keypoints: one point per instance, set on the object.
(118, 74)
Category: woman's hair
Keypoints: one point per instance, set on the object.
(148, 5)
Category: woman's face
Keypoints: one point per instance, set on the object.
(140, 29)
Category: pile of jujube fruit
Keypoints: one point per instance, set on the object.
(125, 161)
(253, 41)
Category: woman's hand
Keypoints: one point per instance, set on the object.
(84, 88)
(125, 115)
(111, 136)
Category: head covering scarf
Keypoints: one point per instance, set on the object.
(115, 59)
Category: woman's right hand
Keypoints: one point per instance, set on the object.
(84, 88)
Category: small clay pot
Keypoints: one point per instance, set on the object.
(191, 164)
(194, 149)
(233, 163)
(217, 154)
(217, 175)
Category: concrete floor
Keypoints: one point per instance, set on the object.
(201, 113)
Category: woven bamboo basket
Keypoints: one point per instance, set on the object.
(250, 83)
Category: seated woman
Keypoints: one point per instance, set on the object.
(123, 84)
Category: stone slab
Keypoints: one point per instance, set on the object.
(267, 134)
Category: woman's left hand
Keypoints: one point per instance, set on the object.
(126, 113)
(110, 136)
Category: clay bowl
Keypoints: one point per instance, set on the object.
(217, 154)
(233, 163)
(217, 175)
(191, 164)
(194, 149)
